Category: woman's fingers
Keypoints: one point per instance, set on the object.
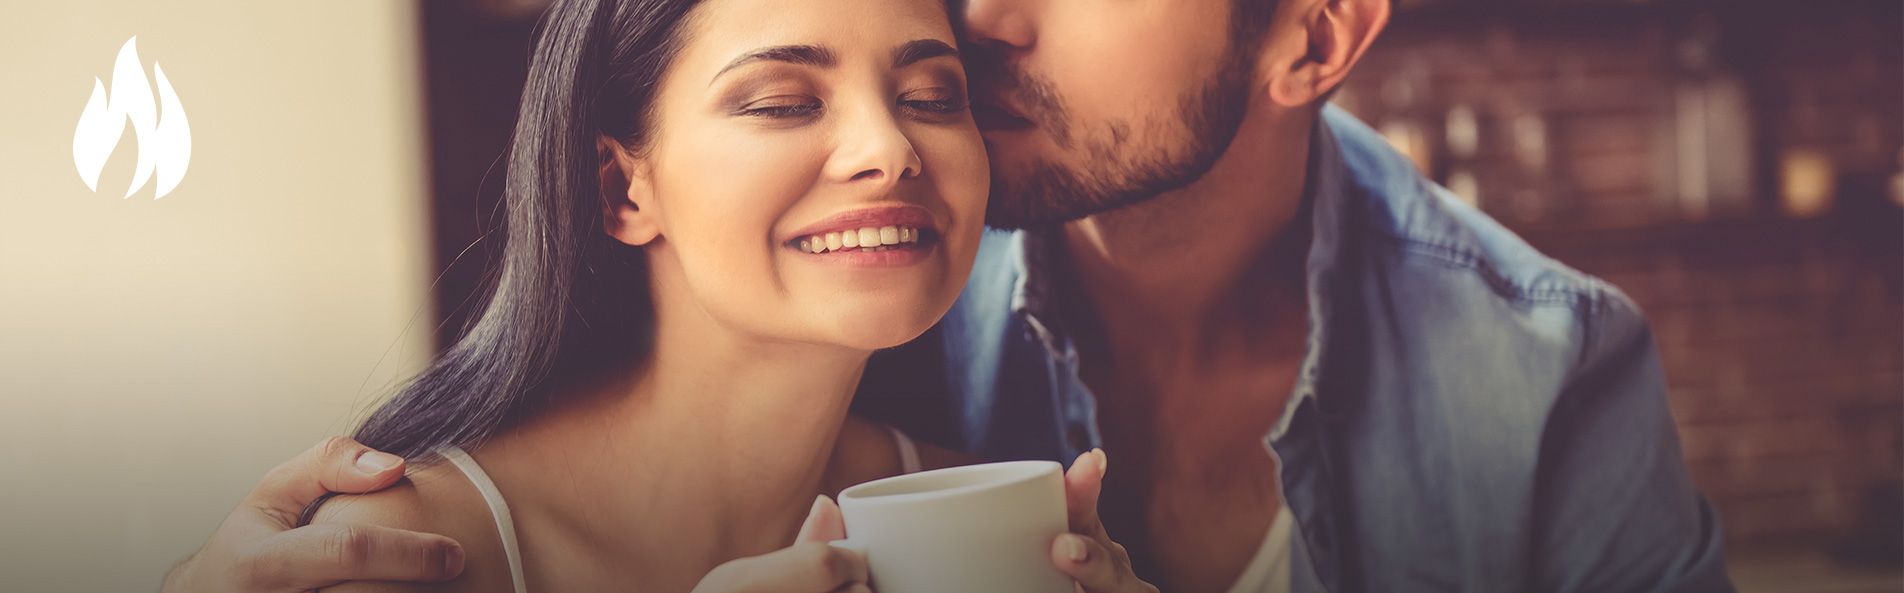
(808, 566)
(824, 522)
(338, 464)
(1096, 569)
(824, 567)
(317, 556)
(1082, 485)
(811, 565)
(1087, 553)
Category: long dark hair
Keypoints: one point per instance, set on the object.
(563, 295)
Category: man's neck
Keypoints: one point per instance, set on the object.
(1192, 313)
(1187, 270)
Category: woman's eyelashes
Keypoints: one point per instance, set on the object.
(781, 108)
(933, 104)
(936, 101)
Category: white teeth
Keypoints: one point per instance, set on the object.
(867, 239)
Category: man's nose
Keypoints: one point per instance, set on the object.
(1001, 22)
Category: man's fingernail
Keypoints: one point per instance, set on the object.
(1075, 550)
(1103, 461)
(376, 461)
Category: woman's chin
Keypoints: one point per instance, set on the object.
(875, 328)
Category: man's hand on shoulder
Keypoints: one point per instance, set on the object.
(261, 549)
(354, 516)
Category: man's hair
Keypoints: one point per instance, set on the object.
(1250, 20)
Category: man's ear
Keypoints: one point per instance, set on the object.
(1312, 55)
(630, 213)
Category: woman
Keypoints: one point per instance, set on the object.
(716, 211)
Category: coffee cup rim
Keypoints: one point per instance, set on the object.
(1031, 470)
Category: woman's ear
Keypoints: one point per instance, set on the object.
(630, 213)
(1317, 51)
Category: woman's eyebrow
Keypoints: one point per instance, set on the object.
(806, 55)
(814, 55)
(921, 49)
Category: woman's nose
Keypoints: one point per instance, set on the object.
(874, 149)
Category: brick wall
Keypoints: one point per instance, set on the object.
(1595, 113)
(1648, 144)
(1783, 344)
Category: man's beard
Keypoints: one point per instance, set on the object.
(1115, 173)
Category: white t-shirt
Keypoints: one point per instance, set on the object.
(1268, 571)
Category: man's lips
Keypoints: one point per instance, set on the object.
(994, 115)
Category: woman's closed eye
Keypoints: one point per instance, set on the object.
(931, 103)
(935, 102)
(782, 107)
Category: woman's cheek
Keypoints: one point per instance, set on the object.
(737, 176)
(963, 177)
(733, 187)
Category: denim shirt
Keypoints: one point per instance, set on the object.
(1469, 416)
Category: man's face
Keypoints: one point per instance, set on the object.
(1090, 105)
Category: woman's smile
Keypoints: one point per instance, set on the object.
(879, 237)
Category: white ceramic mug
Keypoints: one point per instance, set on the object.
(971, 529)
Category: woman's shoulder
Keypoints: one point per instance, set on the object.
(867, 450)
(433, 498)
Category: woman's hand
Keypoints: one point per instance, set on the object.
(810, 565)
(1087, 554)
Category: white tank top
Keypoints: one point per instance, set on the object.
(506, 526)
(1267, 571)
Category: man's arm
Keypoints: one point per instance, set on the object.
(260, 549)
(1616, 507)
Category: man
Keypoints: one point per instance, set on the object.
(1253, 305)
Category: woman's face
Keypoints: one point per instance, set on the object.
(814, 174)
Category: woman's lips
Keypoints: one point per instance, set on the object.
(892, 235)
(894, 215)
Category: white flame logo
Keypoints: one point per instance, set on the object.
(165, 143)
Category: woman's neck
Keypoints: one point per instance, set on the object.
(712, 448)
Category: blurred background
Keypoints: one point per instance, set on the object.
(158, 356)
(1737, 166)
